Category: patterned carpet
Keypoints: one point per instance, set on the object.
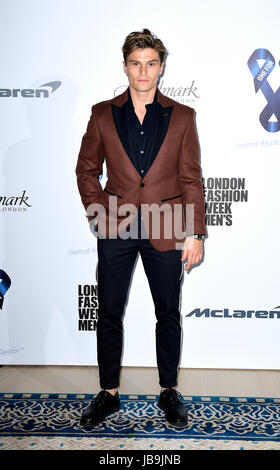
(51, 421)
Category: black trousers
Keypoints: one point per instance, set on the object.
(164, 270)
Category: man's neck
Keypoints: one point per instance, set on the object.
(141, 98)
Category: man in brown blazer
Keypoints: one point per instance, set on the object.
(152, 204)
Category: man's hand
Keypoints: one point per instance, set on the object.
(193, 251)
(93, 221)
(93, 225)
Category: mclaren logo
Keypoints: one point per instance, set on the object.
(43, 91)
(227, 313)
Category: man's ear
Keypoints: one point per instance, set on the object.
(161, 67)
(124, 67)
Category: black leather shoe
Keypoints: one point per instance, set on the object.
(174, 408)
(101, 406)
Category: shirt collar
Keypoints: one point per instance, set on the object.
(150, 105)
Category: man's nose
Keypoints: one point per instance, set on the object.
(143, 69)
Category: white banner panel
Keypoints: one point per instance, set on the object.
(60, 58)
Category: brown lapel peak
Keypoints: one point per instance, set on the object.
(120, 99)
(164, 100)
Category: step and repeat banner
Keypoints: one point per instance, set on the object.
(58, 59)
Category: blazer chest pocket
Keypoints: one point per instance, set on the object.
(172, 197)
(112, 194)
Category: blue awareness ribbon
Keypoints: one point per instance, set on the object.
(260, 75)
(4, 285)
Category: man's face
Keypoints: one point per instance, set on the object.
(143, 69)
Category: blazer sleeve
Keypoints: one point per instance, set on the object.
(190, 176)
(89, 165)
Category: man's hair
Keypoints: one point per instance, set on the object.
(142, 40)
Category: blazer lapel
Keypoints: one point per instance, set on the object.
(116, 129)
(120, 121)
(160, 131)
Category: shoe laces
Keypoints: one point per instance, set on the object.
(101, 398)
(172, 395)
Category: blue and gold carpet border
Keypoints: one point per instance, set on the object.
(87, 396)
(210, 417)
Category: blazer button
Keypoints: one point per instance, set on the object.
(142, 185)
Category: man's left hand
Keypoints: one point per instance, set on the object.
(192, 251)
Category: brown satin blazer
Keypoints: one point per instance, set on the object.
(174, 178)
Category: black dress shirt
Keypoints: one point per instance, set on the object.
(142, 136)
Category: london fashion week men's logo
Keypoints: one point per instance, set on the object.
(270, 115)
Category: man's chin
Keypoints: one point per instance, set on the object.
(143, 88)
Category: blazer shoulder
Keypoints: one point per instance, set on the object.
(101, 105)
(184, 113)
(187, 110)
(119, 100)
